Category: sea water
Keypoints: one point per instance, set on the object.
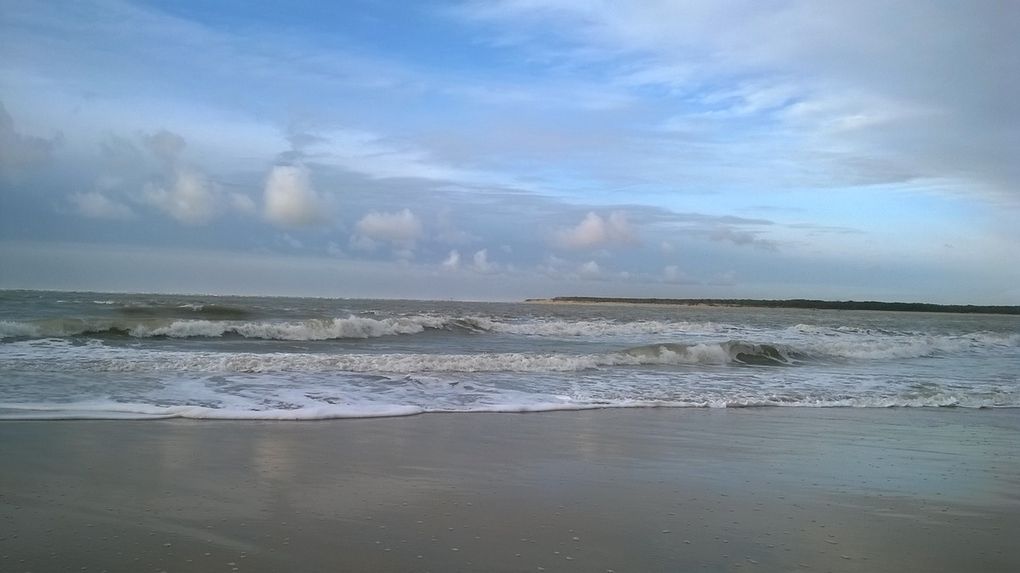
(66, 355)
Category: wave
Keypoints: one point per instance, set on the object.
(809, 340)
(110, 410)
(173, 309)
(909, 346)
(336, 328)
(316, 329)
(118, 359)
(579, 328)
(733, 352)
(100, 358)
(130, 360)
(792, 354)
(93, 410)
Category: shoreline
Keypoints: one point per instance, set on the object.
(630, 490)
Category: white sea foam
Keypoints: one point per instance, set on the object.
(100, 409)
(128, 360)
(885, 347)
(337, 328)
(139, 411)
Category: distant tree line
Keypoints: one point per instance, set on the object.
(800, 303)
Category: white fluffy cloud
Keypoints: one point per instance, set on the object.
(290, 199)
(596, 231)
(184, 192)
(400, 228)
(191, 198)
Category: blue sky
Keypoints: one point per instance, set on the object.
(511, 149)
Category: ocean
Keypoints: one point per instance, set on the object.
(76, 355)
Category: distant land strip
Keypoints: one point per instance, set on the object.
(795, 303)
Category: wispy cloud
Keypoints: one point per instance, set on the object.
(846, 86)
(481, 263)
(96, 205)
(452, 261)
(19, 150)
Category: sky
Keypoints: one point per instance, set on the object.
(507, 149)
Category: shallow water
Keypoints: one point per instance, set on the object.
(91, 355)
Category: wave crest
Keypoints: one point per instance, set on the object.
(314, 329)
(732, 351)
(337, 328)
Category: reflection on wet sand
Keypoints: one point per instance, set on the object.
(839, 490)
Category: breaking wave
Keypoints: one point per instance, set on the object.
(799, 343)
(351, 327)
(316, 329)
(111, 410)
(733, 352)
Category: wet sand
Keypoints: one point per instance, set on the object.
(771, 489)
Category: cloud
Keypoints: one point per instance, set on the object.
(673, 274)
(448, 232)
(18, 150)
(290, 241)
(561, 269)
(864, 92)
(96, 205)
(590, 269)
(290, 200)
(183, 192)
(190, 198)
(740, 237)
(595, 231)
(401, 228)
(452, 261)
(242, 204)
(150, 170)
(482, 263)
(165, 145)
(335, 250)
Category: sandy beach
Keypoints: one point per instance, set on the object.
(625, 490)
